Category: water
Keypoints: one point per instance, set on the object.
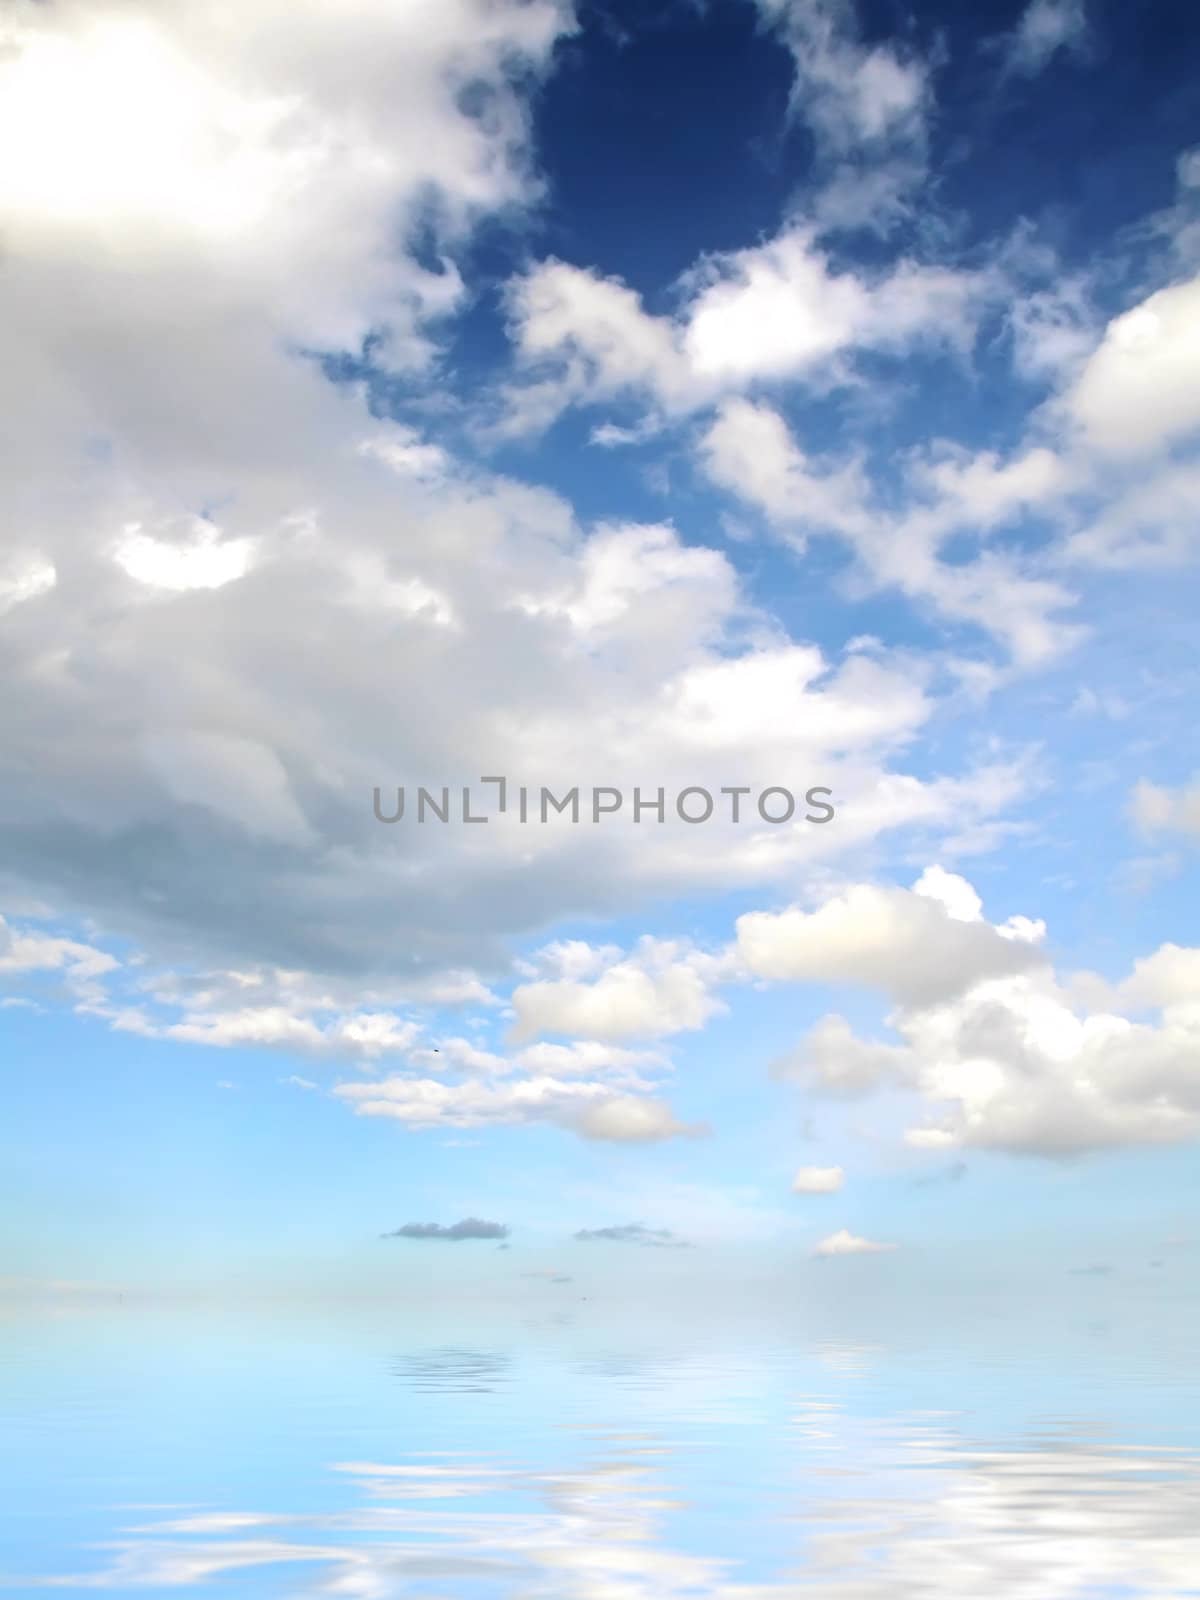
(582, 1455)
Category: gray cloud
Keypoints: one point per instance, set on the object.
(635, 1233)
(468, 1228)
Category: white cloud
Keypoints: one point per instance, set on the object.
(663, 988)
(747, 449)
(818, 1180)
(361, 1034)
(1001, 1054)
(204, 498)
(25, 951)
(1138, 391)
(852, 94)
(779, 310)
(1159, 808)
(169, 134)
(845, 1243)
(1045, 28)
(26, 581)
(750, 451)
(587, 1108)
(627, 1119)
(834, 1060)
(1170, 977)
(903, 941)
(1148, 523)
(191, 197)
(1015, 1065)
(202, 562)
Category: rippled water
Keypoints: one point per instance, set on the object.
(376, 1456)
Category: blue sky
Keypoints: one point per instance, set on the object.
(772, 394)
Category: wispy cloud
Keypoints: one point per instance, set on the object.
(635, 1233)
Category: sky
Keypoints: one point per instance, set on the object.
(789, 402)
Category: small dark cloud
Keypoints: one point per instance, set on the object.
(468, 1228)
(954, 1173)
(635, 1233)
(1098, 1269)
(549, 1277)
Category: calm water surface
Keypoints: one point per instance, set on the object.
(562, 1455)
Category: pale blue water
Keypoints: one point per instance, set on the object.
(571, 1456)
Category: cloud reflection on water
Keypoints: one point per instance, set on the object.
(857, 1508)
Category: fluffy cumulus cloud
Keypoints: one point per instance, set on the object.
(998, 1053)
(662, 988)
(185, 161)
(918, 945)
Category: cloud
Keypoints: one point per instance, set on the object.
(1137, 393)
(1145, 524)
(818, 1180)
(628, 1119)
(634, 1233)
(160, 131)
(775, 311)
(589, 1108)
(1046, 28)
(83, 968)
(664, 988)
(1000, 1055)
(468, 1228)
(749, 450)
(844, 1243)
(917, 945)
(206, 216)
(999, 1051)
(643, 631)
(1161, 809)
(833, 1058)
(363, 1034)
(854, 96)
